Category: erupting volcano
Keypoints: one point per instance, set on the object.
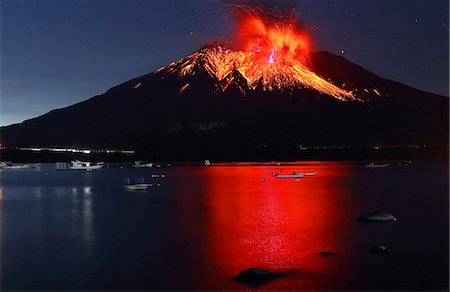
(267, 98)
(270, 73)
(274, 53)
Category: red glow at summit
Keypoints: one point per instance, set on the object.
(271, 51)
(270, 35)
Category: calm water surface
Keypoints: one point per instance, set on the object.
(76, 230)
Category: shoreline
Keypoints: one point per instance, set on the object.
(363, 154)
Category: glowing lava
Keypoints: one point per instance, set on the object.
(271, 35)
(272, 54)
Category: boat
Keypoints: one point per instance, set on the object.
(83, 165)
(137, 187)
(157, 175)
(312, 173)
(141, 164)
(9, 166)
(292, 175)
(373, 165)
(207, 163)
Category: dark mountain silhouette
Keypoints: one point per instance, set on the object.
(204, 106)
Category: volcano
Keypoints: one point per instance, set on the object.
(225, 103)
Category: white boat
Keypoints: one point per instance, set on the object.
(9, 166)
(373, 165)
(312, 173)
(83, 165)
(137, 187)
(140, 164)
(292, 175)
(207, 163)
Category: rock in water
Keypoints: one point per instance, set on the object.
(256, 277)
(327, 253)
(377, 216)
(380, 249)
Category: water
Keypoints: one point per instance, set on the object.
(77, 230)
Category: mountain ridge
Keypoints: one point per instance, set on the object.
(189, 105)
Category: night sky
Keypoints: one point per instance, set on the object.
(56, 53)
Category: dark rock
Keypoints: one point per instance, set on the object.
(377, 216)
(256, 276)
(327, 253)
(380, 249)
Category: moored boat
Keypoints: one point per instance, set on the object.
(373, 165)
(141, 164)
(83, 165)
(292, 175)
(15, 166)
(137, 187)
(157, 175)
(312, 173)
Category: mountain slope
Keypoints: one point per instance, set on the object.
(212, 101)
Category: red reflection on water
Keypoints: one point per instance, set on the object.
(275, 224)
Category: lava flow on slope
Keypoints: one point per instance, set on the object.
(273, 51)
